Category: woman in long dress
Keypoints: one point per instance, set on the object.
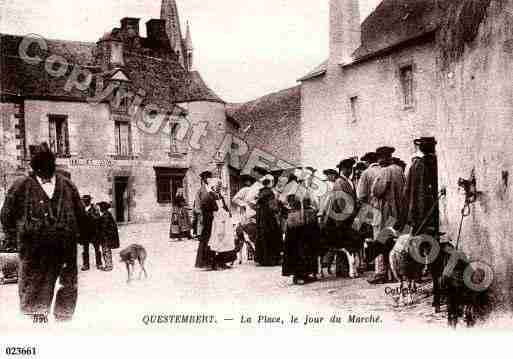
(269, 242)
(301, 241)
(180, 221)
(222, 238)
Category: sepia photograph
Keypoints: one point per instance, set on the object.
(186, 166)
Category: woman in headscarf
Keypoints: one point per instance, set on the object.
(222, 238)
(269, 242)
(180, 221)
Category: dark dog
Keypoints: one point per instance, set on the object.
(129, 255)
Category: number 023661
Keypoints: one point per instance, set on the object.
(21, 351)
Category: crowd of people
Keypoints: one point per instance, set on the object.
(281, 217)
(284, 219)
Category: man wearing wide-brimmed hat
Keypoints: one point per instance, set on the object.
(368, 177)
(387, 189)
(421, 192)
(44, 211)
(196, 208)
(90, 235)
(203, 216)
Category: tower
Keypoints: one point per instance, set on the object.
(169, 12)
(345, 30)
(189, 49)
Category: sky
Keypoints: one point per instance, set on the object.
(243, 49)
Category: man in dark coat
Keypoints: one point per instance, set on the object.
(206, 203)
(91, 235)
(421, 190)
(108, 235)
(197, 221)
(45, 213)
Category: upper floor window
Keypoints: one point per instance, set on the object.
(355, 108)
(123, 138)
(59, 134)
(406, 76)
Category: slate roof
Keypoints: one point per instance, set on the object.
(164, 82)
(392, 23)
(272, 123)
(284, 105)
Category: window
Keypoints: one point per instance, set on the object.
(406, 74)
(59, 136)
(168, 183)
(123, 138)
(354, 108)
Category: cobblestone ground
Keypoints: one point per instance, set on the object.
(174, 286)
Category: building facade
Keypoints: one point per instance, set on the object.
(127, 117)
(424, 68)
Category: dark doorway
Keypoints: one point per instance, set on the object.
(121, 199)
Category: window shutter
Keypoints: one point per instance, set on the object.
(111, 139)
(123, 139)
(72, 136)
(44, 130)
(52, 135)
(65, 130)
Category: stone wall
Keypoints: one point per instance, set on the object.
(474, 127)
(327, 128)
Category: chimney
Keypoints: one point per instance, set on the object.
(156, 30)
(130, 26)
(345, 31)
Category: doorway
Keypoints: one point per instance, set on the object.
(121, 199)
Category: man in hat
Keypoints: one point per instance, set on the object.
(358, 170)
(203, 210)
(421, 191)
(397, 161)
(247, 215)
(196, 207)
(365, 198)
(108, 235)
(44, 211)
(91, 235)
(387, 189)
(368, 177)
(344, 183)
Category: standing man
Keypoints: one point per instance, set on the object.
(90, 235)
(328, 237)
(388, 191)
(421, 191)
(197, 222)
(345, 206)
(204, 207)
(365, 198)
(44, 211)
(368, 177)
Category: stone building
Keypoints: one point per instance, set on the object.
(269, 130)
(437, 68)
(129, 119)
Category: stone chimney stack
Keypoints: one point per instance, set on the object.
(130, 26)
(156, 30)
(345, 31)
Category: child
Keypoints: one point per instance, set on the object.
(108, 235)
